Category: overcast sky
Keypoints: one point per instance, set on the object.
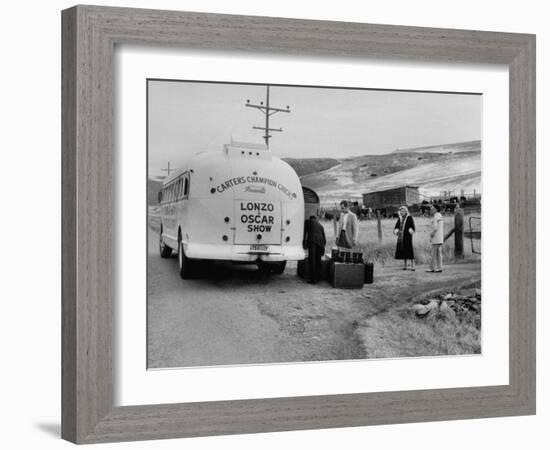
(188, 117)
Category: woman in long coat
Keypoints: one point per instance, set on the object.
(404, 230)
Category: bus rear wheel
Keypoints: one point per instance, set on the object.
(184, 263)
(165, 251)
(278, 267)
(272, 267)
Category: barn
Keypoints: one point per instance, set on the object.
(311, 202)
(404, 195)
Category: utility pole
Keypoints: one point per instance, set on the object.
(167, 169)
(267, 110)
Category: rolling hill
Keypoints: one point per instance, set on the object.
(433, 171)
(306, 166)
(457, 147)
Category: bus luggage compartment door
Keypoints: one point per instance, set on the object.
(258, 223)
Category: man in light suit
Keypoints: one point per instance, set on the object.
(347, 230)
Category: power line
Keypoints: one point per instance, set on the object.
(268, 111)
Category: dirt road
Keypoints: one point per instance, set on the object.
(235, 315)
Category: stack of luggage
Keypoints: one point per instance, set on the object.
(344, 269)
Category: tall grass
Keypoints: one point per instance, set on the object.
(399, 333)
(384, 252)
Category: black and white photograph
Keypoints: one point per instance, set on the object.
(294, 224)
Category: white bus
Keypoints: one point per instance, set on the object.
(242, 204)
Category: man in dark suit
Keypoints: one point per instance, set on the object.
(314, 241)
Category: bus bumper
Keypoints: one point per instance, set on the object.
(242, 253)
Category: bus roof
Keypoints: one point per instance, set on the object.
(238, 170)
(229, 150)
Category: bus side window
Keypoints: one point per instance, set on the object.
(180, 189)
(186, 188)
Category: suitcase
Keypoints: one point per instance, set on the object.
(347, 256)
(357, 257)
(325, 268)
(369, 272)
(347, 275)
(303, 269)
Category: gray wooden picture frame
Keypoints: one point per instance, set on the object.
(89, 37)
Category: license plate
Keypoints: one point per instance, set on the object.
(259, 248)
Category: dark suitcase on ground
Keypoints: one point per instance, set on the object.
(303, 269)
(369, 272)
(347, 276)
(325, 268)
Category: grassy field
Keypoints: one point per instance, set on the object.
(384, 252)
(399, 333)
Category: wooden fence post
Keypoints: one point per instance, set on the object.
(459, 233)
(379, 225)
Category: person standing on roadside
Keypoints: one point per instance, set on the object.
(404, 230)
(315, 242)
(347, 230)
(436, 239)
